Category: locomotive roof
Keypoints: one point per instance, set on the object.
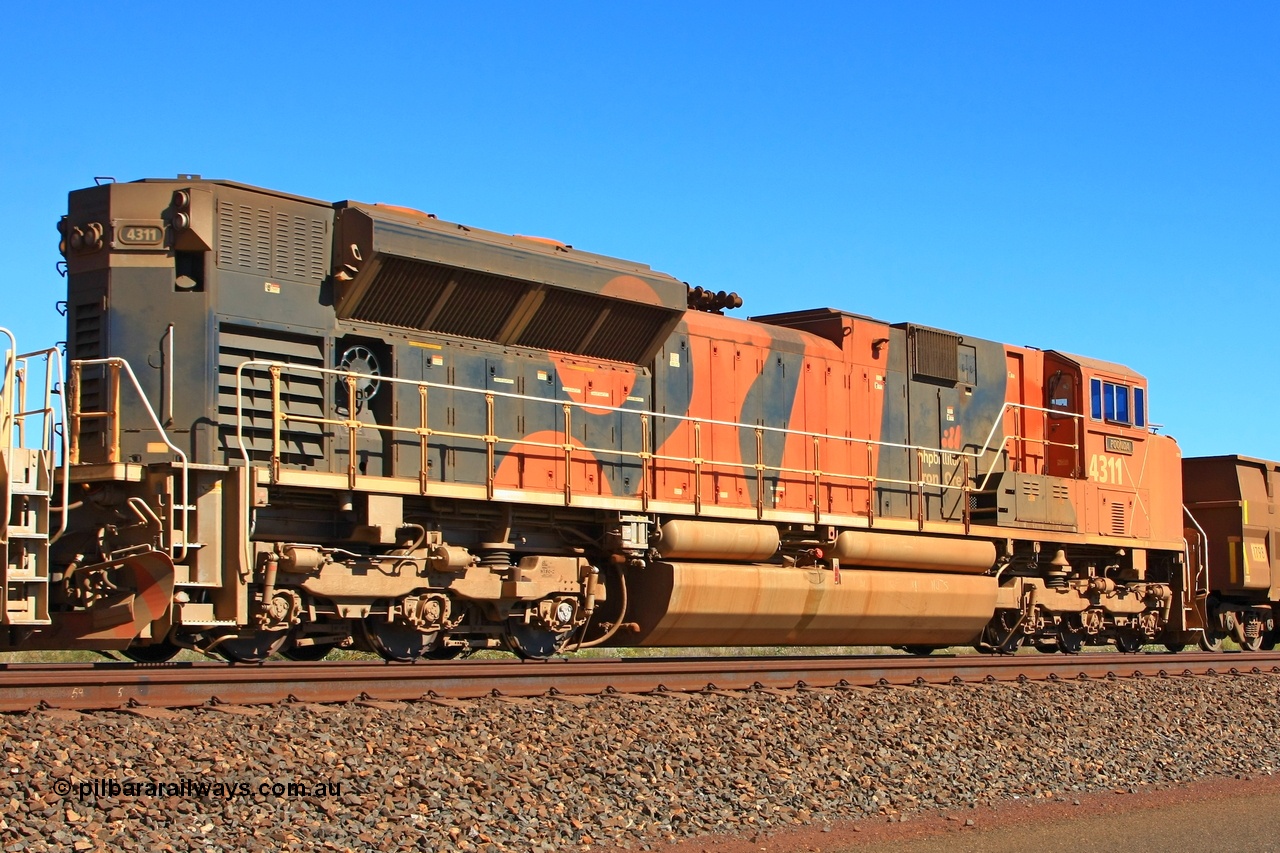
(189, 179)
(1099, 366)
(421, 217)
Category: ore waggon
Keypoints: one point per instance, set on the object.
(283, 425)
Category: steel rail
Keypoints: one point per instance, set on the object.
(103, 686)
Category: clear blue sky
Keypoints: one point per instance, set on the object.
(1101, 178)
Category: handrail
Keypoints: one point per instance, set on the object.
(9, 399)
(8, 404)
(51, 417)
(268, 366)
(599, 407)
(1004, 437)
(1202, 551)
(1202, 567)
(13, 415)
(116, 364)
(925, 457)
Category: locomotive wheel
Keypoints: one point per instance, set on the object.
(253, 647)
(1070, 642)
(920, 651)
(397, 641)
(1251, 644)
(445, 652)
(1001, 636)
(1175, 647)
(315, 651)
(1128, 643)
(1210, 642)
(1046, 647)
(530, 642)
(155, 653)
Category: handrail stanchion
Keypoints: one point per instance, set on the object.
(697, 467)
(568, 453)
(646, 463)
(759, 472)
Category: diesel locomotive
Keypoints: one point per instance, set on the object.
(282, 425)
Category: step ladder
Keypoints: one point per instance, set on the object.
(27, 482)
(24, 596)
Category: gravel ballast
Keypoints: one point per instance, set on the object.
(608, 772)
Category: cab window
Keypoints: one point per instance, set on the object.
(1110, 402)
(1062, 393)
(1115, 402)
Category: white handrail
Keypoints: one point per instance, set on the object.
(164, 436)
(14, 414)
(1004, 437)
(267, 365)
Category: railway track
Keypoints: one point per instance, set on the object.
(102, 686)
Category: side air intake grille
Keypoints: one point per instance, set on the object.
(301, 443)
(87, 343)
(1118, 520)
(275, 243)
(935, 354)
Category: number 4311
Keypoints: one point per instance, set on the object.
(1106, 469)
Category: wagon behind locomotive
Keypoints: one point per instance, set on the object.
(1231, 501)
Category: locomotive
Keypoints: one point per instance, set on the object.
(282, 425)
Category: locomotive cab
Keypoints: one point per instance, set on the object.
(1099, 433)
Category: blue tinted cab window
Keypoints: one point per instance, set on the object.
(1139, 407)
(1095, 399)
(1115, 402)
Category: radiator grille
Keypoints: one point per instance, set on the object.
(935, 354)
(408, 295)
(625, 334)
(301, 443)
(437, 298)
(562, 321)
(271, 242)
(479, 305)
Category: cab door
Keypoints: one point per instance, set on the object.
(1064, 438)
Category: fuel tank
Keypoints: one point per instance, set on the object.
(720, 604)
